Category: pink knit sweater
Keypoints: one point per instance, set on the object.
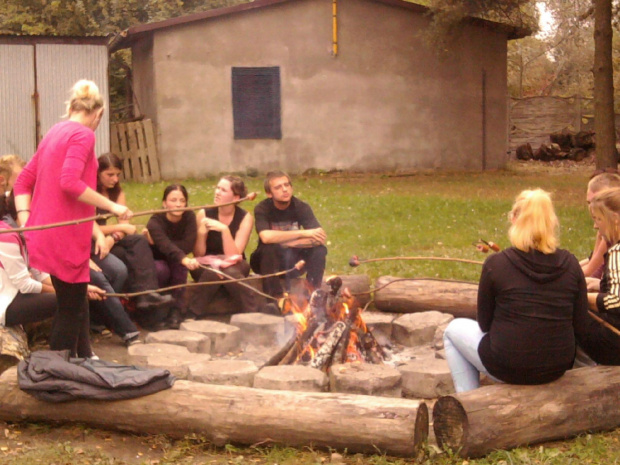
(60, 171)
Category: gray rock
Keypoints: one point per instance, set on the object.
(177, 365)
(259, 328)
(415, 329)
(228, 372)
(195, 342)
(140, 352)
(365, 378)
(224, 338)
(426, 378)
(291, 378)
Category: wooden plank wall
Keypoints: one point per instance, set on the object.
(134, 143)
(533, 119)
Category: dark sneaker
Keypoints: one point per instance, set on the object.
(153, 299)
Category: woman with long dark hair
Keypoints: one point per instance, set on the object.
(129, 250)
(172, 236)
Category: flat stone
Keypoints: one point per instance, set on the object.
(380, 324)
(259, 354)
(195, 342)
(259, 328)
(365, 378)
(415, 329)
(224, 337)
(140, 352)
(426, 378)
(292, 378)
(227, 372)
(177, 365)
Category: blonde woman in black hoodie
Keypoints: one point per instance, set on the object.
(531, 298)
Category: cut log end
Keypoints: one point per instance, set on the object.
(420, 433)
(450, 424)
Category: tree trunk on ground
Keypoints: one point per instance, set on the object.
(232, 414)
(604, 115)
(421, 295)
(504, 416)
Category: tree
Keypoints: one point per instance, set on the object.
(604, 116)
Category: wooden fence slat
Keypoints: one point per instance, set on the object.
(135, 144)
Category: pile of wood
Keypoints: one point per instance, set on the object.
(330, 331)
(564, 145)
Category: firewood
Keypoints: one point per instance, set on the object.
(458, 299)
(325, 351)
(504, 416)
(241, 415)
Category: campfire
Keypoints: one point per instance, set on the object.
(330, 329)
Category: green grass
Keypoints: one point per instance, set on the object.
(437, 214)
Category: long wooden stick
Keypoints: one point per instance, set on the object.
(105, 216)
(127, 295)
(607, 325)
(231, 279)
(355, 261)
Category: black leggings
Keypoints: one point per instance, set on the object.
(70, 329)
(30, 308)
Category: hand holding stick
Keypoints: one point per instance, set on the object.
(127, 295)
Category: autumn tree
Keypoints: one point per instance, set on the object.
(604, 115)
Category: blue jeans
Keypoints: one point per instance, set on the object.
(461, 340)
(110, 312)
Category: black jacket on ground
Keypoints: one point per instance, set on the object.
(54, 377)
(529, 304)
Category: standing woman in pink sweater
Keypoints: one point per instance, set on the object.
(59, 184)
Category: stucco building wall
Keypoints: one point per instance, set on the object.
(386, 102)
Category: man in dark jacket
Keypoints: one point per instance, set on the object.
(288, 232)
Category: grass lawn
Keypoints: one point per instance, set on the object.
(435, 214)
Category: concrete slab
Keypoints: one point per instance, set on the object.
(224, 338)
(415, 329)
(365, 378)
(258, 328)
(177, 365)
(426, 378)
(138, 353)
(292, 378)
(194, 342)
(227, 372)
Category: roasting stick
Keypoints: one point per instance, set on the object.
(231, 279)
(105, 216)
(355, 261)
(126, 295)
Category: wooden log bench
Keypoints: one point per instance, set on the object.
(422, 295)
(241, 415)
(503, 416)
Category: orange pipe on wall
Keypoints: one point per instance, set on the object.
(334, 27)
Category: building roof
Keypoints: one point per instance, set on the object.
(125, 38)
(30, 39)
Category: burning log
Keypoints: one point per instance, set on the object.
(372, 348)
(421, 295)
(324, 353)
(504, 416)
(233, 414)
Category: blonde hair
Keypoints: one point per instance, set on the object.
(8, 164)
(85, 97)
(534, 222)
(603, 181)
(607, 204)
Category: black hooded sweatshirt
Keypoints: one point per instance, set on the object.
(529, 304)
